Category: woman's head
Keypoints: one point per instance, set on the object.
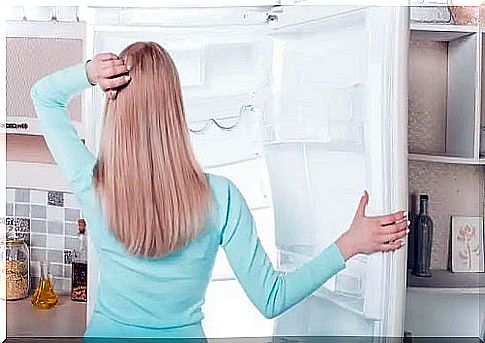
(154, 192)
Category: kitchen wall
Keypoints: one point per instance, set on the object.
(47, 219)
(427, 96)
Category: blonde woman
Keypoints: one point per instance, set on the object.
(157, 220)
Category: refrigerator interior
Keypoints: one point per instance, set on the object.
(292, 104)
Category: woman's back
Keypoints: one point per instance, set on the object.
(153, 293)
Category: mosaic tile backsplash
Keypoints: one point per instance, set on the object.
(47, 220)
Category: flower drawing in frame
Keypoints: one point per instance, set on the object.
(467, 244)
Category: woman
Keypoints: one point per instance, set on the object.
(157, 220)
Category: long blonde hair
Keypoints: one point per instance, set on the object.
(153, 190)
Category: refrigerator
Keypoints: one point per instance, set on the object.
(303, 108)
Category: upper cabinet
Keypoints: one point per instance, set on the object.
(444, 83)
(445, 91)
(34, 50)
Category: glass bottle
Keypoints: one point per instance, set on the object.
(423, 239)
(15, 265)
(44, 296)
(79, 277)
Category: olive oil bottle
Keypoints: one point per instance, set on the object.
(44, 296)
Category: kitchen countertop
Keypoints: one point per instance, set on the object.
(67, 319)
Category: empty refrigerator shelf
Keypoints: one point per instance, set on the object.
(230, 163)
(349, 303)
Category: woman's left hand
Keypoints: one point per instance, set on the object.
(367, 235)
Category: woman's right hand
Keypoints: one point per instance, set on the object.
(367, 235)
(108, 71)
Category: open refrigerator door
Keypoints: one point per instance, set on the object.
(337, 126)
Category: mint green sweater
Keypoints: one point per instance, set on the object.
(162, 297)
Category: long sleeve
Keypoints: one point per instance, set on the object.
(50, 96)
(272, 292)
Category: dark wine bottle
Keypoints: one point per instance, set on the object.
(423, 239)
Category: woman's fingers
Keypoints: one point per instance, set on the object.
(391, 246)
(393, 236)
(113, 74)
(390, 218)
(107, 84)
(107, 56)
(396, 227)
(392, 232)
(113, 70)
(110, 63)
(364, 200)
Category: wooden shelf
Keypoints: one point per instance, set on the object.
(447, 279)
(443, 27)
(444, 159)
(440, 32)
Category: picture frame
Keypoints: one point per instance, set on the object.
(467, 250)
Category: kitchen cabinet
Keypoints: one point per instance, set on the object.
(444, 63)
(34, 50)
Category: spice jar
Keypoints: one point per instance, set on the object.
(15, 265)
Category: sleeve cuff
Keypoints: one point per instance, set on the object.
(82, 70)
(335, 255)
(86, 72)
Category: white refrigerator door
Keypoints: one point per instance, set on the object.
(337, 126)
